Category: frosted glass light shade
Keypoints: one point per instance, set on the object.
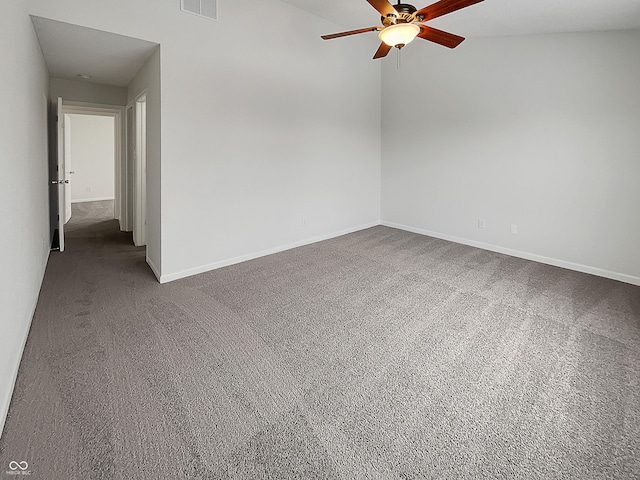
(399, 34)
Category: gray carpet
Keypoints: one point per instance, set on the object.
(381, 354)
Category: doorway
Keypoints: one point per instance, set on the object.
(103, 150)
(109, 69)
(90, 159)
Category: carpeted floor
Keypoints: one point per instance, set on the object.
(381, 354)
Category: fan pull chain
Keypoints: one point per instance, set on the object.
(399, 62)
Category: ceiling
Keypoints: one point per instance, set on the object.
(496, 17)
(110, 59)
(71, 50)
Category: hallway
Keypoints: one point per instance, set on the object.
(51, 417)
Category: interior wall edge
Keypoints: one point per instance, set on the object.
(154, 269)
(622, 277)
(252, 256)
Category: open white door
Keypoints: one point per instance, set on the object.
(61, 181)
(67, 167)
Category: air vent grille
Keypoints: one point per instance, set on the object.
(204, 8)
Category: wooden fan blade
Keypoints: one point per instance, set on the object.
(444, 7)
(383, 51)
(351, 32)
(438, 36)
(384, 7)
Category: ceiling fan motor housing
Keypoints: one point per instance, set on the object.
(405, 15)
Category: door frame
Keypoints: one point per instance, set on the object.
(117, 112)
(61, 169)
(128, 166)
(140, 170)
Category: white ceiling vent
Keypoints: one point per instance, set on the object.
(204, 8)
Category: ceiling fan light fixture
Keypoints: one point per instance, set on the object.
(400, 34)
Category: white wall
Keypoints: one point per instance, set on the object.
(24, 201)
(538, 131)
(148, 80)
(92, 153)
(83, 91)
(257, 134)
(277, 129)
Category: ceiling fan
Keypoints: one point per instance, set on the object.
(401, 24)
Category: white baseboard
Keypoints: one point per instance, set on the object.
(622, 277)
(6, 402)
(232, 261)
(86, 200)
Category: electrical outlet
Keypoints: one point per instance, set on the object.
(481, 223)
(514, 229)
(89, 189)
